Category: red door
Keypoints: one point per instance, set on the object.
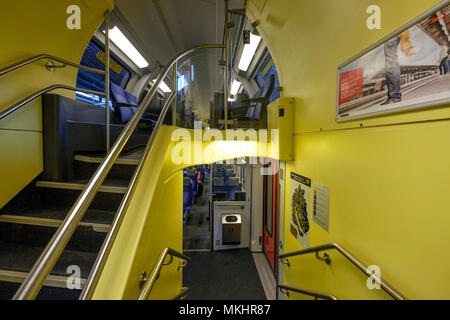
(270, 213)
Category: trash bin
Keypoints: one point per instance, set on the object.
(231, 228)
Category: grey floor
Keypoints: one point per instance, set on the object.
(196, 233)
(216, 275)
(223, 275)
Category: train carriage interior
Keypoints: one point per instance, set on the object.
(224, 150)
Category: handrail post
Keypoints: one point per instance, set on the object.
(107, 93)
(225, 90)
(174, 88)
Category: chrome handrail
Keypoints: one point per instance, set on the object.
(311, 293)
(32, 284)
(39, 93)
(28, 61)
(361, 266)
(100, 262)
(150, 282)
(182, 294)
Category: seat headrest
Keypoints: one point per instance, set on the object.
(267, 86)
(131, 98)
(118, 95)
(264, 92)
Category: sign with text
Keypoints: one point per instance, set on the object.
(300, 208)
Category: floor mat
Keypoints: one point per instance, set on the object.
(223, 275)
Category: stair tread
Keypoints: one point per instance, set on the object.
(78, 184)
(21, 258)
(92, 216)
(131, 157)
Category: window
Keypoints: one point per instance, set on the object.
(94, 57)
(265, 71)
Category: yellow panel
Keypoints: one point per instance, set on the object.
(281, 119)
(33, 28)
(20, 161)
(389, 183)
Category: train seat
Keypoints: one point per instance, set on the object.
(125, 104)
(254, 109)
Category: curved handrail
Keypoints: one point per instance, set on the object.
(28, 61)
(361, 266)
(38, 93)
(155, 272)
(311, 293)
(182, 294)
(102, 256)
(32, 284)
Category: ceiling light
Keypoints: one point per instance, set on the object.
(127, 47)
(249, 52)
(163, 86)
(235, 87)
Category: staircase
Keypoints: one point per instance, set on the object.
(28, 222)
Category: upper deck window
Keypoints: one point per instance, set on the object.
(265, 71)
(94, 57)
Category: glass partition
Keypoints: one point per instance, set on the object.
(200, 91)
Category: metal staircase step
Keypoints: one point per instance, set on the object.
(131, 158)
(21, 258)
(44, 222)
(51, 281)
(36, 215)
(111, 186)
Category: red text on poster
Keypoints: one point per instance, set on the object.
(350, 85)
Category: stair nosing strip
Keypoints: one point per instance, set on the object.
(47, 222)
(79, 186)
(87, 159)
(51, 281)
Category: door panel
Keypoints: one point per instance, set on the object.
(270, 213)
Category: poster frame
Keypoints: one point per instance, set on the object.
(416, 106)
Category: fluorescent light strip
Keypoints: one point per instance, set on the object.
(249, 52)
(163, 86)
(127, 47)
(235, 87)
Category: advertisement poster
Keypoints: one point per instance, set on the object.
(408, 71)
(300, 208)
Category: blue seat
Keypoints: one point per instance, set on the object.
(262, 98)
(187, 196)
(125, 103)
(254, 110)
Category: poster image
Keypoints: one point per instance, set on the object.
(300, 217)
(408, 70)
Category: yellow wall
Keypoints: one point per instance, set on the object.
(389, 176)
(30, 28)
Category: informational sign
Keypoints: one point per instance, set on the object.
(321, 206)
(407, 70)
(299, 217)
(114, 66)
(246, 37)
(350, 85)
